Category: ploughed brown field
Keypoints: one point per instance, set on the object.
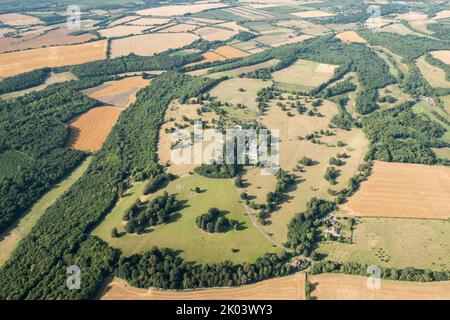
(285, 288)
(90, 130)
(18, 62)
(404, 191)
(347, 287)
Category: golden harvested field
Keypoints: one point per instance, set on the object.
(182, 27)
(313, 14)
(435, 76)
(350, 36)
(121, 31)
(296, 39)
(305, 74)
(403, 190)
(347, 287)
(119, 93)
(230, 52)
(444, 14)
(43, 38)
(18, 62)
(90, 130)
(285, 288)
(150, 44)
(18, 19)
(148, 22)
(443, 55)
(123, 20)
(179, 10)
(209, 56)
(215, 34)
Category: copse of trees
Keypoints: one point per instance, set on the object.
(401, 135)
(62, 226)
(339, 88)
(172, 272)
(158, 211)
(214, 221)
(158, 182)
(24, 80)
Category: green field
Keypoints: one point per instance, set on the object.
(11, 238)
(398, 243)
(182, 233)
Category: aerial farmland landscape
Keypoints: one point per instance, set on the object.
(225, 150)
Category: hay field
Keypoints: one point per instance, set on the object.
(394, 242)
(54, 78)
(434, 75)
(150, 44)
(215, 34)
(18, 19)
(18, 62)
(232, 25)
(347, 287)
(230, 52)
(305, 26)
(179, 10)
(12, 236)
(313, 14)
(120, 93)
(209, 56)
(305, 74)
(121, 31)
(182, 233)
(311, 182)
(403, 190)
(123, 20)
(350, 36)
(284, 288)
(398, 28)
(43, 38)
(90, 130)
(443, 55)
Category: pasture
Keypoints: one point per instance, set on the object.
(403, 190)
(347, 287)
(311, 182)
(12, 236)
(89, 130)
(304, 74)
(394, 242)
(150, 44)
(18, 62)
(284, 288)
(228, 91)
(182, 234)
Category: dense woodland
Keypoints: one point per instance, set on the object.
(400, 135)
(24, 80)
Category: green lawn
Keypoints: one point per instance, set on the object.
(392, 242)
(182, 233)
(11, 238)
